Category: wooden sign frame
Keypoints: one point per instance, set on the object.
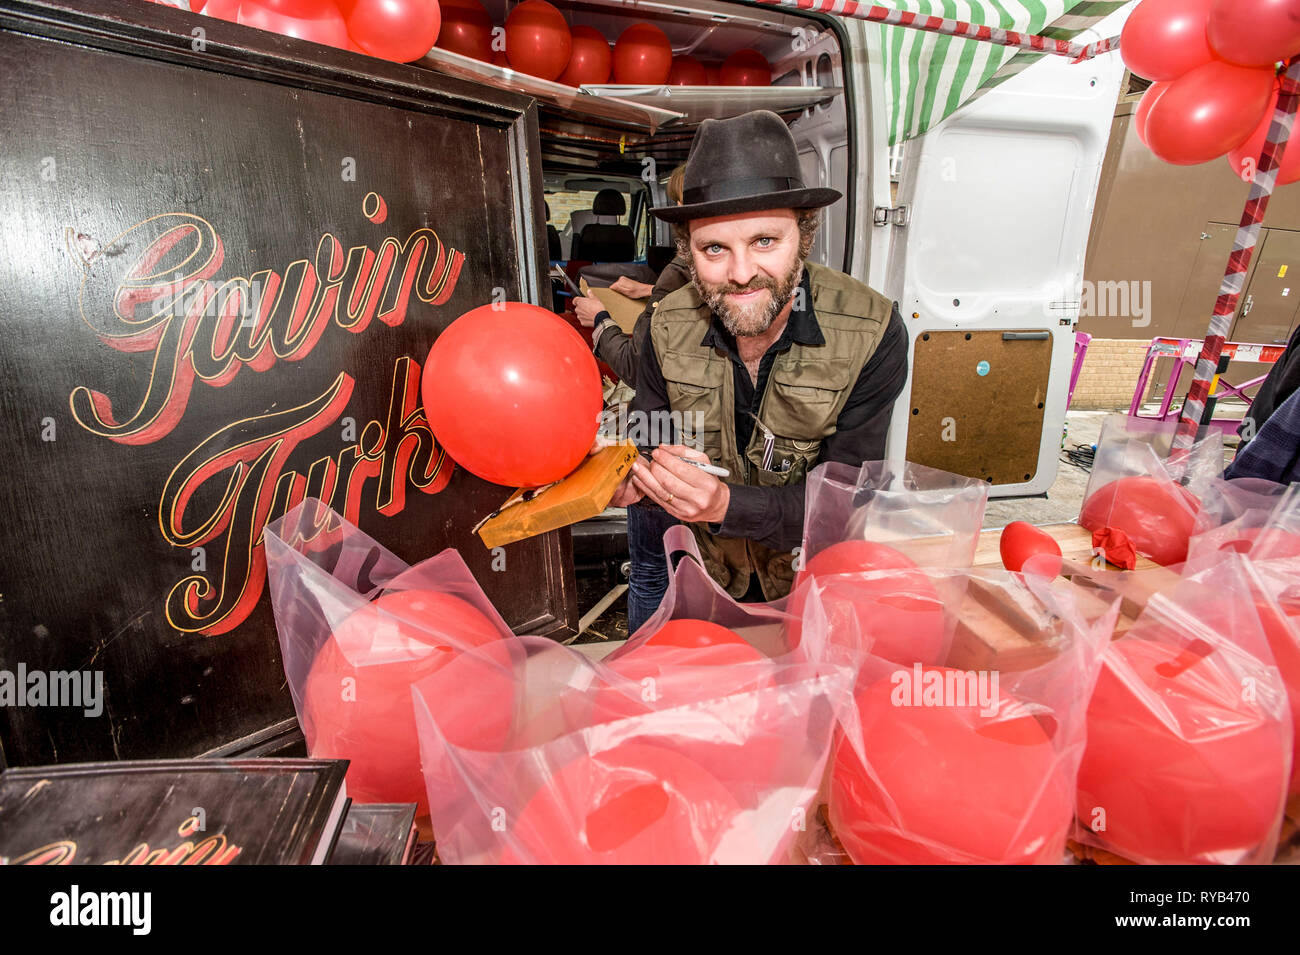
(232, 130)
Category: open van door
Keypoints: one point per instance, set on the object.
(986, 262)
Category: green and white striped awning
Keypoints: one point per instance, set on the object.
(929, 76)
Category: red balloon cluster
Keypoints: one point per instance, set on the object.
(512, 393)
(1213, 63)
(401, 30)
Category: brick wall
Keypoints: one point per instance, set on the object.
(1110, 373)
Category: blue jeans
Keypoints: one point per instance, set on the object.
(648, 580)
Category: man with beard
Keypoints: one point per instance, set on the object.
(781, 364)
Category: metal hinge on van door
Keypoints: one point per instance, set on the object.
(885, 215)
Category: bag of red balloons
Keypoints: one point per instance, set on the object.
(939, 765)
(1190, 736)
(1137, 487)
(1260, 521)
(1213, 67)
(872, 536)
(689, 745)
(358, 627)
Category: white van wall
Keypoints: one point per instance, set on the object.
(999, 201)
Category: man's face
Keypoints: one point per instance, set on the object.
(746, 266)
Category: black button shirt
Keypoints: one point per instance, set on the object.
(774, 515)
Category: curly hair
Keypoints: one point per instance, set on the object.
(809, 220)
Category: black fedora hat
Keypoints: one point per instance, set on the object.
(744, 164)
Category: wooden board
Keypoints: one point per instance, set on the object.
(625, 311)
(977, 403)
(345, 210)
(582, 495)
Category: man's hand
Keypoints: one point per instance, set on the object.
(631, 287)
(685, 492)
(626, 493)
(587, 307)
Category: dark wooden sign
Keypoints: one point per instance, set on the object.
(224, 255)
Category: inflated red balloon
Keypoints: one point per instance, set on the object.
(466, 29)
(1180, 767)
(222, 10)
(538, 41)
(1281, 622)
(512, 393)
(746, 68)
(357, 697)
(1164, 39)
(687, 71)
(1021, 541)
(315, 20)
(1148, 100)
(642, 56)
(1208, 112)
(948, 783)
(1244, 160)
(591, 59)
(1158, 515)
(1254, 32)
(631, 805)
(693, 635)
(899, 614)
(398, 30)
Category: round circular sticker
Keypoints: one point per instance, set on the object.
(982, 369)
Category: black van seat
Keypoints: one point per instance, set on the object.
(599, 242)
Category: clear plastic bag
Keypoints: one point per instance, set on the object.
(357, 626)
(1189, 732)
(872, 535)
(701, 740)
(1136, 487)
(938, 765)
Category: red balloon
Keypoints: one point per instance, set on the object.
(899, 613)
(315, 20)
(1183, 767)
(1254, 32)
(948, 783)
(222, 10)
(1159, 516)
(1021, 541)
(512, 393)
(642, 56)
(370, 719)
(466, 29)
(631, 805)
(398, 30)
(1207, 113)
(1244, 160)
(1260, 543)
(499, 59)
(591, 59)
(1164, 39)
(196, 6)
(538, 41)
(693, 635)
(1282, 628)
(1153, 93)
(687, 71)
(746, 68)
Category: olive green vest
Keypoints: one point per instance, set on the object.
(806, 390)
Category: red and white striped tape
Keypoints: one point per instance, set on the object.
(917, 21)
